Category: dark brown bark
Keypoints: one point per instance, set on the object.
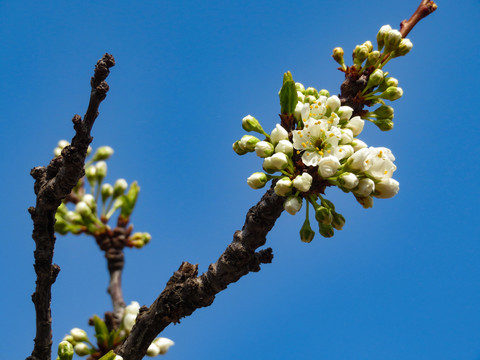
(186, 291)
(52, 184)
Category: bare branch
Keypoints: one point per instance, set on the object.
(425, 8)
(52, 184)
(185, 291)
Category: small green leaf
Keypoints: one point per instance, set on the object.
(108, 356)
(101, 330)
(288, 95)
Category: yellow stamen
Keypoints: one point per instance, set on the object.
(304, 145)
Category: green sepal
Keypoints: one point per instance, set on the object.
(101, 330)
(288, 95)
(108, 356)
(325, 230)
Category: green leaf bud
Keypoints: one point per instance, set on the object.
(311, 91)
(249, 123)
(288, 94)
(384, 111)
(102, 153)
(372, 58)
(403, 48)
(306, 232)
(81, 349)
(384, 124)
(392, 93)
(248, 142)
(323, 215)
(375, 78)
(106, 191)
(90, 174)
(392, 40)
(338, 55)
(326, 230)
(79, 335)
(257, 180)
(299, 87)
(381, 36)
(324, 92)
(338, 221)
(236, 147)
(119, 187)
(65, 351)
(101, 171)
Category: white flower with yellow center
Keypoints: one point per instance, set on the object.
(382, 166)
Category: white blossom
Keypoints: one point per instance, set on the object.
(303, 182)
(386, 188)
(153, 350)
(163, 344)
(293, 205)
(381, 163)
(361, 160)
(333, 102)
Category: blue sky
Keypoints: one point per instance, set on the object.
(400, 281)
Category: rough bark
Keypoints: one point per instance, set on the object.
(52, 184)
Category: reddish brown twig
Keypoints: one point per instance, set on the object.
(425, 8)
(52, 184)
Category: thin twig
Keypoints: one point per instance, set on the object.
(425, 8)
(52, 184)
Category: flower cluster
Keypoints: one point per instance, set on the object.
(78, 342)
(316, 145)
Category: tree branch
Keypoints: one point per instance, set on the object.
(185, 291)
(425, 8)
(52, 184)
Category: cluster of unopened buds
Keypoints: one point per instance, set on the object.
(316, 145)
(93, 209)
(78, 342)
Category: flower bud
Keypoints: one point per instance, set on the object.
(57, 151)
(369, 45)
(355, 124)
(78, 335)
(384, 124)
(348, 180)
(248, 142)
(403, 48)
(119, 187)
(249, 123)
(236, 147)
(381, 36)
(300, 97)
(284, 146)
(279, 133)
(384, 111)
(392, 40)
(323, 215)
(347, 136)
(303, 182)
(392, 93)
(61, 226)
(306, 232)
(386, 188)
(106, 191)
(163, 344)
(333, 102)
(344, 112)
(264, 149)
(324, 92)
(90, 174)
(118, 357)
(276, 162)
(133, 308)
(375, 78)
(85, 211)
(257, 180)
(366, 202)
(81, 349)
(90, 201)
(311, 91)
(283, 186)
(358, 145)
(293, 204)
(68, 338)
(101, 170)
(391, 81)
(310, 99)
(299, 87)
(63, 143)
(360, 54)
(373, 58)
(328, 166)
(102, 153)
(338, 221)
(129, 321)
(326, 230)
(301, 111)
(153, 350)
(365, 187)
(338, 55)
(65, 351)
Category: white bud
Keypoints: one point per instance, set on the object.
(358, 145)
(153, 350)
(129, 321)
(264, 149)
(118, 357)
(361, 160)
(103, 153)
(386, 188)
(356, 125)
(347, 136)
(89, 199)
(345, 112)
(284, 146)
(248, 142)
(328, 166)
(57, 151)
(333, 102)
(283, 186)
(163, 344)
(133, 308)
(303, 182)
(348, 180)
(81, 349)
(275, 162)
(300, 96)
(84, 210)
(365, 187)
(279, 133)
(119, 187)
(101, 169)
(293, 204)
(257, 180)
(79, 334)
(301, 111)
(63, 143)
